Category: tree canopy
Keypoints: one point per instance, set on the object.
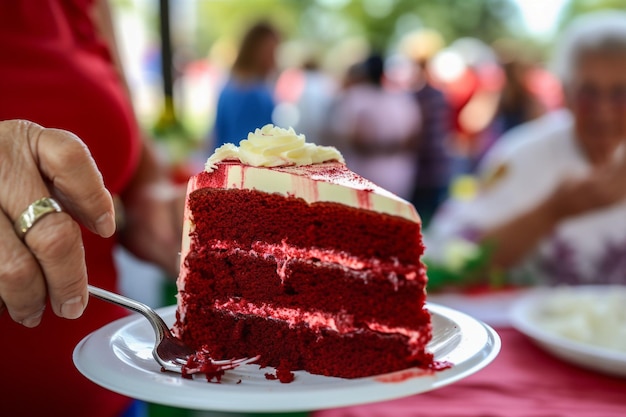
(380, 22)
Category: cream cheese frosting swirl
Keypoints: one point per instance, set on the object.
(272, 146)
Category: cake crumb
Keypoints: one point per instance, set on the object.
(284, 375)
(202, 363)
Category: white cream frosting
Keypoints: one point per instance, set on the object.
(305, 184)
(272, 146)
(287, 153)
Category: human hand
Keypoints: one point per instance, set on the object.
(49, 261)
(603, 187)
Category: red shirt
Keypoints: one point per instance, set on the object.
(56, 72)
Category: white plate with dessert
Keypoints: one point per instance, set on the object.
(118, 357)
(584, 325)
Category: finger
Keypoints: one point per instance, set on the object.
(56, 242)
(22, 287)
(66, 162)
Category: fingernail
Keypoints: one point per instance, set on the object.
(33, 320)
(72, 308)
(105, 225)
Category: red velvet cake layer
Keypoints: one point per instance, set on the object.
(215, 275)
(249, 216)
(353, 355)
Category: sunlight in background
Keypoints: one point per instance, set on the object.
(541, 16)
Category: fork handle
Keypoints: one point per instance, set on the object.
(157, 322)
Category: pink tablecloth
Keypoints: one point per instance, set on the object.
(523, 381)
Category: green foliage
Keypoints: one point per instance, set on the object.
(578, 7)
(379, 21)
(229, 19)
(471, 269)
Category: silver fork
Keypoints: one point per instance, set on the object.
(170, 352)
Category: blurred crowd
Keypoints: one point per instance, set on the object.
(413, 120)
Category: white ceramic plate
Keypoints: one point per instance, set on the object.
(118, 357)
(528, 312)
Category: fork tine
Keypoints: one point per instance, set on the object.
(235, 362)
(170, 352)
(223, 365)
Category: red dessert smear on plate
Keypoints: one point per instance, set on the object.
(401, 376)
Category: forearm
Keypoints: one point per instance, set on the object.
(600, 189)
(513, 240)
(150, 172)
(154, 214)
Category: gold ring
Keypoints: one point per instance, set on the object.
(35, 212)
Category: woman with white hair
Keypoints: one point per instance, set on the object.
(552, 196)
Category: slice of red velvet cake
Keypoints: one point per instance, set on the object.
(307, 265)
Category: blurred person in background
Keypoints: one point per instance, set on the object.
(61, 70)
(433, 156)
(551, 206)
(246, 101)
(518, 102)
(469, 74)
(305, 94)
(376, 129)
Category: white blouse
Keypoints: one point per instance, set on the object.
(520, 171)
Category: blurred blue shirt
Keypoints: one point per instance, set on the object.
(241, 108)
